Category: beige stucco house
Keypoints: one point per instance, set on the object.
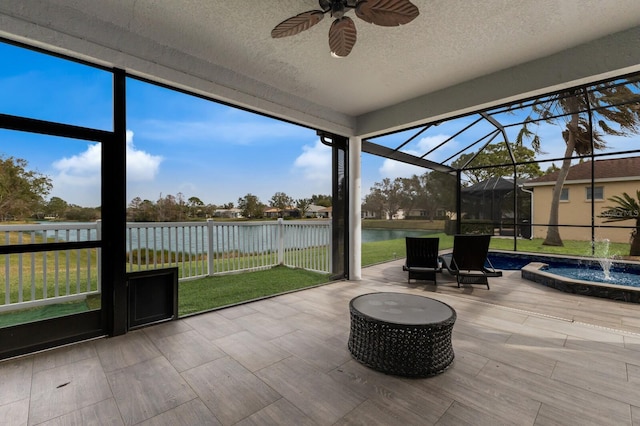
(611, 177)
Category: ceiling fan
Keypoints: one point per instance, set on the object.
(342, 34)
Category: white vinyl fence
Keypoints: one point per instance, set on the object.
(198, 249)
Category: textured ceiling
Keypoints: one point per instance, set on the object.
(394, 76)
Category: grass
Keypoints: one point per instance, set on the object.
(213, 292)
(385, 251)
(223, 290)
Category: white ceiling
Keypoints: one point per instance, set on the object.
(457, 56)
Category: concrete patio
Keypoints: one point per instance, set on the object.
(525, 355)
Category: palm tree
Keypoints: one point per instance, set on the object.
(609, 105)
(627, 208)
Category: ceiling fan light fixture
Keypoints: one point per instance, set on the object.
(337, 9)
(342, 34)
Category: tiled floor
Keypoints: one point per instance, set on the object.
(525, 355)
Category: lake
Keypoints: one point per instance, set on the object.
(368, 235)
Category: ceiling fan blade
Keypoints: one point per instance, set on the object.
(342, 36)
(387, 13)
(297, 24)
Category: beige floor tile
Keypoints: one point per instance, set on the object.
(123, 351)
(229, 390)
(281, 412)
(213, 325)
(62, 390)
(251, 351)
(15, 413)
(63, 356)
(313, 350)
(521, 357)
(193, 412)
(310, 390)
(187, 350)
(147, 389)
(264, 325)
(103, 413)
(16, 380)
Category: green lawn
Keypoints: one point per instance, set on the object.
(223, 290)
(384, 251)
(212, 292)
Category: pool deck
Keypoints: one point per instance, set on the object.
(525, 354)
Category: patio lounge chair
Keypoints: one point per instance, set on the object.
(422, 258)
(468, 261)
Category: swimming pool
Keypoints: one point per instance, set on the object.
(574, 275)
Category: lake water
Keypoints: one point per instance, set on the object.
(370, 235)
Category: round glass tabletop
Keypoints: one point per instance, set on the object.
(401, 308)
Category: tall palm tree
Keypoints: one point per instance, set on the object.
(587, 116)
(627, 208)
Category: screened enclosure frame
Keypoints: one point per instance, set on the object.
(586, 105)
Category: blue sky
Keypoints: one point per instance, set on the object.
(175, 143)
(178, 143)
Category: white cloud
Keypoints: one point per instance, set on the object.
(314, 162)
(77, 180)
(141, 166)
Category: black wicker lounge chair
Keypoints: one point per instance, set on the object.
(422, 259)
(468, 261)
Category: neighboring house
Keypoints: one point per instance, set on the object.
(228, 213)
(314, 211)
(611, 177)
(369, 214)
(326, 212)
(273, 212)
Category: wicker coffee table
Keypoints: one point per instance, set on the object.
(401, 334)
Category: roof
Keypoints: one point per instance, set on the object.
(603, 169)
(494, 184)
(454, 58)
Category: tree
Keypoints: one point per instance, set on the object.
(441, 191)
(321, 200)
(627, 208)
(81, 214)
(385, 197)
(281, 201)
(303, 205)
(251, 207)
(374, 201)
(21, 189)
(411, 193)
(166, 208)
(582, 133)
(499, 154)
(56, 207)
(141, 210)
(195, 206)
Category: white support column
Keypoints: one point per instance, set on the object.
(355, 218)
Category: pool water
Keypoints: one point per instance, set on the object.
(620, 273)
(619, 276)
